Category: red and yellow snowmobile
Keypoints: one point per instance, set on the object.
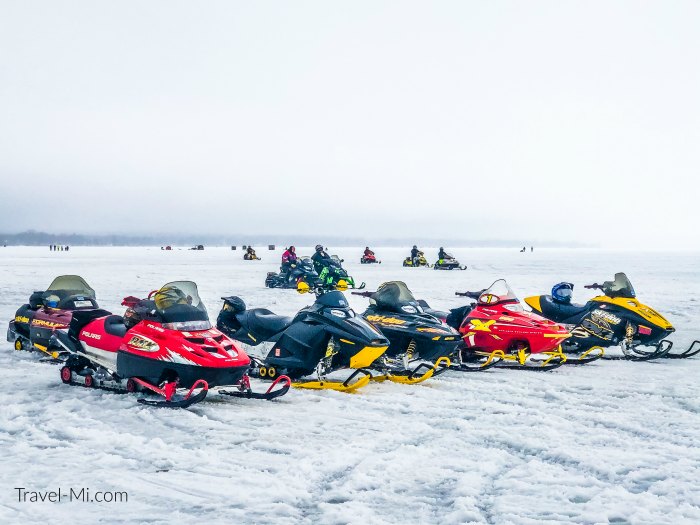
(162, 344)
(497, 331)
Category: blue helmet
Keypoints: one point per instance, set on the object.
(562, 292)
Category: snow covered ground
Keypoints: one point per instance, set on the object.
(611, 442)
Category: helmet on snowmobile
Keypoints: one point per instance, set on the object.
(169, 296)
(52, 301)
(415, 247)
(562, 292)
(319, 248)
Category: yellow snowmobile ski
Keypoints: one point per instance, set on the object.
(340, 386)
(413, 377)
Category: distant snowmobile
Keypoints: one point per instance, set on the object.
(448, 263)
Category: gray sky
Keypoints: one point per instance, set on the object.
(546, 120)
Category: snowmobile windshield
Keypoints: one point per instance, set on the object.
(67, 285)
(620, 287)
(395, 296)
(69, 292)
(180, 307)
(499, 292)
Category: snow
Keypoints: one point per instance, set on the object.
(611, 442)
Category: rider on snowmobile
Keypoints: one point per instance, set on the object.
(289, 261)
(250, 252)
(442, 255)
(321, 259)
(414, 255)
(368, 252)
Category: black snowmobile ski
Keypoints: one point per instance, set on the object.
(636, 353)
(689, 352)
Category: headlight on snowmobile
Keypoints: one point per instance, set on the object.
(339, 313)
(188, 326)
(409, 309)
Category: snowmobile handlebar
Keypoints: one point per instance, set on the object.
(363, 294)
(471, 295)
(594, 286)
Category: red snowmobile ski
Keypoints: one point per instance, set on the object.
(162, 344)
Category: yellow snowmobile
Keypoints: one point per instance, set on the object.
(614, 318)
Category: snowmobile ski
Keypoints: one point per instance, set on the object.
(638, 353)
(689, 352)
(422, 372)
(340, 386)
(246, 392)
(592, 354)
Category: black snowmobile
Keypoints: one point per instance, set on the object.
(320, 339)
(48, 311)
(303, 271)
(416, 338)
(332, 274)
(448, 263)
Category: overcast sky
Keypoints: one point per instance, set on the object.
(542, 120)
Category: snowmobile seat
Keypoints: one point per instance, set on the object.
(114, 325)
(81, 318)
(559, 312)
(263, 323)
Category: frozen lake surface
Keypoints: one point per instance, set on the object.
(610, 442)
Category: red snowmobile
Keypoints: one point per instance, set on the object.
(497, 331)
(162, 343)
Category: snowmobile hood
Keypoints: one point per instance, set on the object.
(206, 348)
(642, 310)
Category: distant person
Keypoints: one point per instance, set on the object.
(321, 259)
(442, 255)
(531, 249)
(368, 252)
(250, 254)
(67, 248)
(414, 254)
(521, 251)
(289, 258)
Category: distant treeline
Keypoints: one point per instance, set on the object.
(35, 238)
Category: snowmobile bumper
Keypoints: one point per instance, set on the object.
(344, 386)
(366, 356)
